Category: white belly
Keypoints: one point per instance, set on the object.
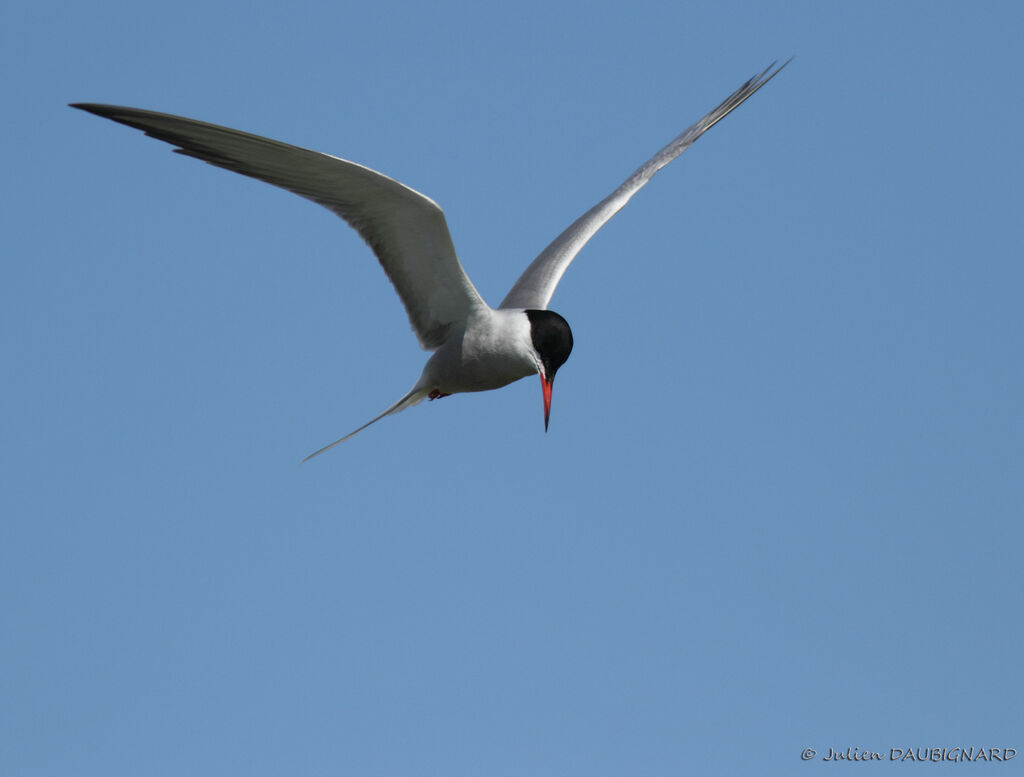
(492, 353)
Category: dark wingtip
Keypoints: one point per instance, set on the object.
(89, 107)
(112, 112)
(98, 109)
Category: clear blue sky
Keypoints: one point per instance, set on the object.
(779, 505)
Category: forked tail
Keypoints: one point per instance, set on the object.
(414, 397)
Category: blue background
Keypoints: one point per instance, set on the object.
(779, 505)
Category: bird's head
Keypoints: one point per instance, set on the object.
(552, 344)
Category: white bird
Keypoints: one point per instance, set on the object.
(476, 347)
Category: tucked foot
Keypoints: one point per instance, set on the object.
(435, 394)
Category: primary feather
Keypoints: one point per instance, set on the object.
(406, 230)
(537, 283)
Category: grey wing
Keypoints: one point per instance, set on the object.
(535, 286)
(406, 230)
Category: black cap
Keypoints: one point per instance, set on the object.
(552, 339)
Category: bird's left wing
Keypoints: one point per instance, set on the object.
(406, 230)
(537, 283)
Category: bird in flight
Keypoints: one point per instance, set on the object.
(475, 347)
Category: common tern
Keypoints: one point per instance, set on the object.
(475, 347)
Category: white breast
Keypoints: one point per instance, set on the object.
(494, 350)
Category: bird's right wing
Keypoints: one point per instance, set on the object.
(406, 230)
(535, 286)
